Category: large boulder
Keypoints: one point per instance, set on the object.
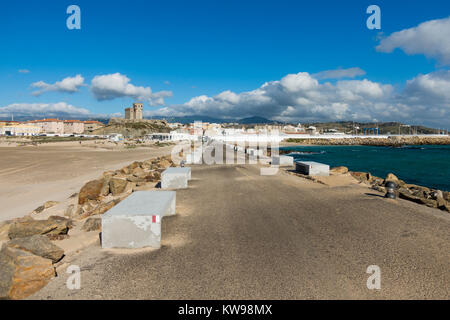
(134, 165)
(4, 229)
(393, 178)
(91, 191)
(101, 208)
(118, 185)
(22, 273)
(38, 245)
(446, 195)
(339, 170)
(390, 177)
(139, 172)
(419, 191)
(153, 176)
(406, 194)
(53, 226)
(92, 224)
(364, 177)
(164, 163)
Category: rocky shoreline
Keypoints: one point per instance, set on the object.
(31, 248)
(393, 141)
(421, 195)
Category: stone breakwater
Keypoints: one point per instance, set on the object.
(31, 251)
(421, 195)
(394, 141)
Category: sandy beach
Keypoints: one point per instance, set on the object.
(32, 175)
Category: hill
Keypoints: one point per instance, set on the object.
(133, 128)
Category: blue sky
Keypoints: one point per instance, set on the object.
(204, 48)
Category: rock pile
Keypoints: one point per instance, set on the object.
(394, 141)
(29, 254)
(411, 192)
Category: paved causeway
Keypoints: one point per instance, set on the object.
(239, 235)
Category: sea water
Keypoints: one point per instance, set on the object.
(422, 165)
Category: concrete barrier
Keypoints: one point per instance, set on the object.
(136, 221)
(175, 178)
(312, 168)
(283, 161)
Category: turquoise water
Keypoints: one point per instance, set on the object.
(422, 165)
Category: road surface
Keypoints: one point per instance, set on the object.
(239, 235)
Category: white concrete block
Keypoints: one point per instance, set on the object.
(283, 161)
(136, 221)
(175, 178)
(312, 168)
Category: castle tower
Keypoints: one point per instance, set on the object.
(138, 111)
(129, 114)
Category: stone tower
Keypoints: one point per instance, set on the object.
(135, 112)
(138, 111)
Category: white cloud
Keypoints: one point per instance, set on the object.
(430, 38)
(112, 86)
(339, 73)
(300, 97)
(43, 110)
(67, 85)
(299, 82)
(24, 71)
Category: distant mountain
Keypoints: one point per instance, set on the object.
(255, 120)
(190, 119)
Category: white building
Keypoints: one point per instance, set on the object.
(20, 130)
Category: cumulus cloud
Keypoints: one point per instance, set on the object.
(339, 73)
(112, 86)
(60, 109)
(67, 85)
(301, 97)
(430, 38)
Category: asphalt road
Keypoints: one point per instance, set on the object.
(239, 235)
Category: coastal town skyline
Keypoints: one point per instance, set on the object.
(231, 63)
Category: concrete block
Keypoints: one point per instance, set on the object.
(283, 161)
(312, 168)
(136, 221)
(175, 178)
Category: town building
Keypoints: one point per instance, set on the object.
(52, 126)
(90, 126)
(19, 130)
(311, 130)
(135, 112)
(73, 127)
